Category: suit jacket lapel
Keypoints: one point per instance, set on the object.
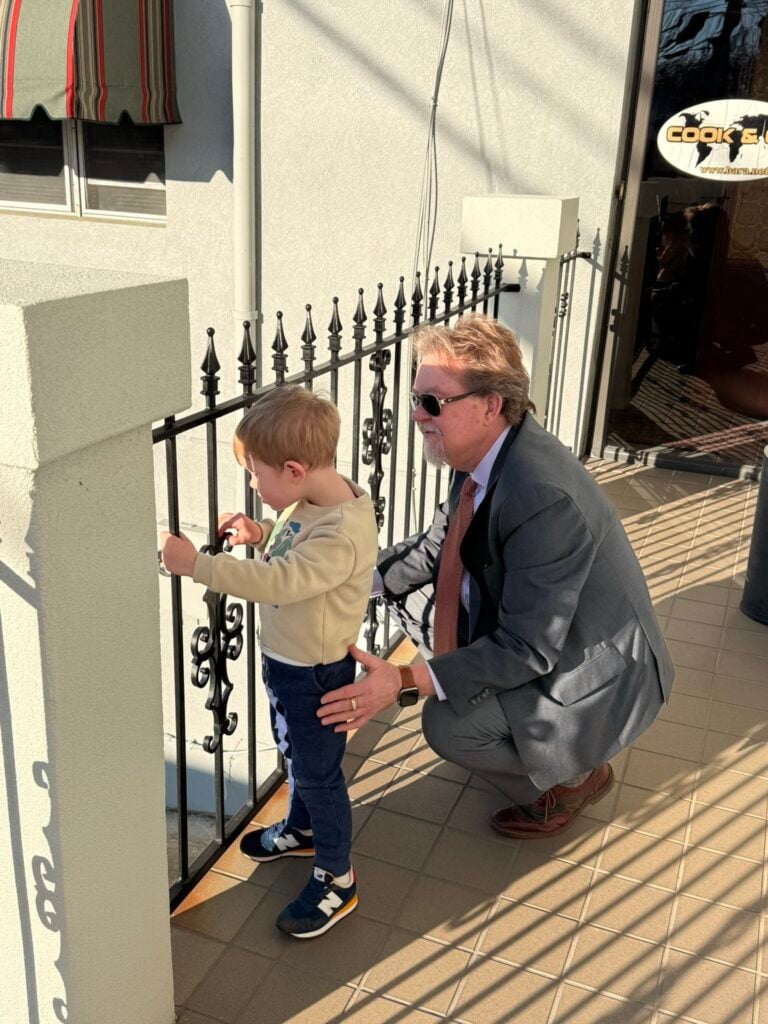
(509, 440)
(475, 548)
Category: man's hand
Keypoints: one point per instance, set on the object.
(179, 554)
(352, 706)
(239, 528)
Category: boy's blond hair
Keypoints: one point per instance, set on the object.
(289, 424)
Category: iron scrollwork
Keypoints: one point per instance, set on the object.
(212, 647)
(377, 442)
(377, 433)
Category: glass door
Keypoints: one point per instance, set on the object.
(686, 381)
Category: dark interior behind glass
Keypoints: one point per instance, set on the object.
(692, 378)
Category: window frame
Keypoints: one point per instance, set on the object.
(76, 185)
(68, 207)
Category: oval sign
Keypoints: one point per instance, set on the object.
(724, 140)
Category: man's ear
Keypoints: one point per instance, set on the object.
(494, 406)
(296, 470)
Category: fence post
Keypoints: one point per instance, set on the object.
(89, 361)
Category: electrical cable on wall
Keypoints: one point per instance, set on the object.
(427, 218)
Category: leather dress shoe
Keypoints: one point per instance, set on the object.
(555, 810)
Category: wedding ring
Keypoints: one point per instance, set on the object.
(353, 702)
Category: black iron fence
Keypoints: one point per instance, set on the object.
(561, 332)
(374, 441)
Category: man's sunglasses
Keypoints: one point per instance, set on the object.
(432, 405)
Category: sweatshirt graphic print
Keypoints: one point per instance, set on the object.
(314, 581)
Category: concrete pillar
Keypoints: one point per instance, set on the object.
(540, 229)
(89, 360)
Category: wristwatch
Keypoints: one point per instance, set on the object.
(409, 691)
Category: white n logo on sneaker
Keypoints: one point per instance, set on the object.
(330, 902)
(286, 842)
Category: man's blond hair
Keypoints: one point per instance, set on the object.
(484, 355)
(290, 424)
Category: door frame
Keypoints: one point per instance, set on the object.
(635, 117)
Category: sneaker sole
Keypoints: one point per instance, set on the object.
(338, 916)
(533, 836)
(278, 856)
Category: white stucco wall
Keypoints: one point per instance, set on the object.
(530, 102)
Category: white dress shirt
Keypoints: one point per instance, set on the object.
(481, 474)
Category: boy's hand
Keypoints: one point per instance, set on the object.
(240, 529)
(178, 553)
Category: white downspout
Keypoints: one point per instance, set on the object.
(245, 172)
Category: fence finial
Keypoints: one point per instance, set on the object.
(400, 304)
(210, 367)
(279, 347)
(358, 331)
(360, 315)
(379, 311)
(434, 294)
(462, 281)
(416, 299)
(308, 338)
(448, 286)
(488, 269)
(499, 268)
(247, 360)
(334, 331)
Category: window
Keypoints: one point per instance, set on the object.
(32, 169)
(83, 168)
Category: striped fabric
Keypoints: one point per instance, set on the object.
(90, 59)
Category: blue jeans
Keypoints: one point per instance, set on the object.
(313, 752)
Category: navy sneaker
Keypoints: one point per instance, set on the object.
(279, 840)
(320, 905)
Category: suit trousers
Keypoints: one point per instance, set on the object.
(482, 743)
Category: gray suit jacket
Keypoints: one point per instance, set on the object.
(560, 627)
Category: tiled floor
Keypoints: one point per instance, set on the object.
(651, 909)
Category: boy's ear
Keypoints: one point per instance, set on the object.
(239, 450)
(295, 470)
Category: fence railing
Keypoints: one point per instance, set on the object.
(402, 501)
(561, 331)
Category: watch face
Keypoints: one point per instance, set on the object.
(408, 696)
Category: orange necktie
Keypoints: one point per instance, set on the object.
(447, 593)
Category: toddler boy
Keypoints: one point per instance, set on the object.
(312, 585)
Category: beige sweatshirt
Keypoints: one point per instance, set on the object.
(313, 582)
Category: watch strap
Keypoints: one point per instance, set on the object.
(409, 691)
(406, 677)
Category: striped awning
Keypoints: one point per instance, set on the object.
(90, 59)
